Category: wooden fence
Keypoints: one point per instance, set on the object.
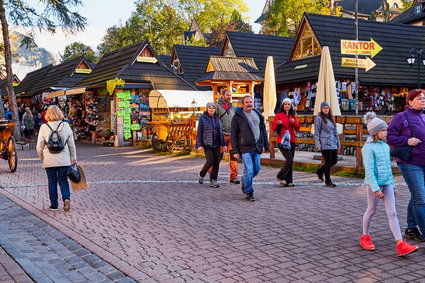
(352, 125)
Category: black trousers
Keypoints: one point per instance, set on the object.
(331, 158)
(213, 157)
(286, 172)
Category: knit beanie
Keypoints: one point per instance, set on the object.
(324, 104)
(287, 100)
(374, 124)
(210, 104)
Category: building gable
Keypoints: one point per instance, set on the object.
(306, 43)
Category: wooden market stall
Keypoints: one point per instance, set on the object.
(238, 74)
(174, 116)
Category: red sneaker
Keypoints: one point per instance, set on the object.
(404, 248)
(366, 242)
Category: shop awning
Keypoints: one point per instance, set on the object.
(179, 98)
(71, 91)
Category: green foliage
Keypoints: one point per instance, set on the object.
(407, 4)
(162, 22)
(195, 42)
(78, 49)
(285, 16)
(236, 23)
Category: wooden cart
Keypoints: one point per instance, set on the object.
(8, 145)
(172, 136)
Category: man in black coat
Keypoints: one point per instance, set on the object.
(249, 138)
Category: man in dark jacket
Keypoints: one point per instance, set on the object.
(249, 137)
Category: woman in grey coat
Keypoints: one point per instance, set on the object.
(327, 141)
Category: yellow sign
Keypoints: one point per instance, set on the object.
(83, 71)
(142, 59)
(352, 47)
(358, 63)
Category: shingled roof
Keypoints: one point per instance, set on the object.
(60, 76)
(413, 14)
(231, 68)
(391, 67)
(366, 7)
(122, 64)
(259, 46)
(193, 60)
(31, 79)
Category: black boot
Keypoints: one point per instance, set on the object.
(414, 234)
(319, 173)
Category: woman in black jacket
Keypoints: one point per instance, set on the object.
(210, 139)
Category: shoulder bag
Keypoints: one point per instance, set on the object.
(403, 152)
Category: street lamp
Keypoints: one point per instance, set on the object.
(194, 106)
(416, 54)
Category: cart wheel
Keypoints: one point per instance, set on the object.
(12, 157)
(158, 144)
(177, 143)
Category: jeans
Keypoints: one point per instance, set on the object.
(57, 175)
(331, 158)
(415, 178)
(286, 172)
(251, 167)
(213, 157)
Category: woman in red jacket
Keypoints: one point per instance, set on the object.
(286, 123)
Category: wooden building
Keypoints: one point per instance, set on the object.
(190, 62)
(235, 73)
(384, 84)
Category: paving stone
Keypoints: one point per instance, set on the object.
(146, 214)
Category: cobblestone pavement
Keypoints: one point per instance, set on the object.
(145, 214)
(10, 271)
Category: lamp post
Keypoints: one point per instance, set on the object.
(416, 55)
(194, 106)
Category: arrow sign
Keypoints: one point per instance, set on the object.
(358, 63)
(352, 47)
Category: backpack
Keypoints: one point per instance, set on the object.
(55, 145)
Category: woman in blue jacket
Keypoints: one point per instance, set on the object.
(379, 183)
(210, 139)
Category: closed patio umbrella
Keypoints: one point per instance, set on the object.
(269, 93)
(326, 88)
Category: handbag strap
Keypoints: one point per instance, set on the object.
(410, 125)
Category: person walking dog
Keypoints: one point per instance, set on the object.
(56, 148)
(327, 141)
(210, 139)
(380, 184)
(249, 138)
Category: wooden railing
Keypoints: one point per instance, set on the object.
(307, 121)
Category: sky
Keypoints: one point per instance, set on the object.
(102, 14)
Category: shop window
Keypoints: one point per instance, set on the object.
(307, 44)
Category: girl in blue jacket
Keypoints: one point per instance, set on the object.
(380, 184)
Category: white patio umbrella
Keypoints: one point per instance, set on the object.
(326, 88)
(269, 93)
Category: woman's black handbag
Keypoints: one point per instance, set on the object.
(74, 174)
(403, 152)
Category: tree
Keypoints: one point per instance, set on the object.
(285, 16)
(236, 23)
(78, 49)
(407, 4)
(55, 14)
(163, 22)
(385, 10)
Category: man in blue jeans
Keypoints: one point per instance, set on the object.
(249, 137)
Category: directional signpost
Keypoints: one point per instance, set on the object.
(353, 47)
(358, 63)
